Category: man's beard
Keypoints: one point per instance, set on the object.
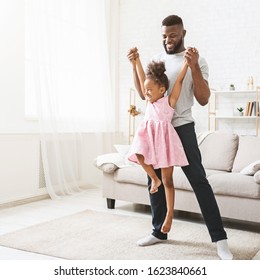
(175, 49)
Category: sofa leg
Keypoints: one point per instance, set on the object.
(111, 203)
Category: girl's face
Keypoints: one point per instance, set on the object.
(153, 91)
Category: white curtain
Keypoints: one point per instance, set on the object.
(67, 72)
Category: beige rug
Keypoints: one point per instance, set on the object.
(91, 235)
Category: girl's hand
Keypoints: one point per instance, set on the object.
(132, 54)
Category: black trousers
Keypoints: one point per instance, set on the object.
(196, 175)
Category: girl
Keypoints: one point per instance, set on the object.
(156, 143)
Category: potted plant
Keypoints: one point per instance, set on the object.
(240, 111)
(231, 87)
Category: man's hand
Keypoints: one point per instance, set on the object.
(192, 56)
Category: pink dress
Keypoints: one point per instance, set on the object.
(156, 138)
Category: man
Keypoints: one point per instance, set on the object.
(194, 85)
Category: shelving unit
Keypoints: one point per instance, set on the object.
(232, 99)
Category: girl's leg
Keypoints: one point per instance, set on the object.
(169, 194)
(156, 182)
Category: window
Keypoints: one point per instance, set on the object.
(67, 69)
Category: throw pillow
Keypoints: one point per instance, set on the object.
(251, 169)
(257, 177)
(248, 152)
(218, 150)
(115, 158)
(122, 149)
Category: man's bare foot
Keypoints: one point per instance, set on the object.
(167, 224)
(155, 185)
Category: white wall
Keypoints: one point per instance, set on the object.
(20, 168)
(225, 32)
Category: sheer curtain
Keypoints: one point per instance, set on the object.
(67, 72)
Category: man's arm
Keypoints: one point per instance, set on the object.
(200, 85)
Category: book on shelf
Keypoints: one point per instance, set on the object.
(256, 108)
(247, 108)
(252, 108)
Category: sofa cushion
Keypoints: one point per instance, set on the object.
(234, 184)
(181, 181)
(218, 150)
(248, 152)
(131, 174)
(136, 175)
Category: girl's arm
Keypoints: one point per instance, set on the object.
(141, 76)
(133, 56)
(176, 90)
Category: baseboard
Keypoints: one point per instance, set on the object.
(24, 201)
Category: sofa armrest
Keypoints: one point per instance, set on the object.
(107, 167)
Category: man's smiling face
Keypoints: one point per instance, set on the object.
(173, 38)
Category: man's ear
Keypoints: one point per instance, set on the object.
(183, 33)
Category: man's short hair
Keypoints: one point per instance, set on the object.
(172, 20)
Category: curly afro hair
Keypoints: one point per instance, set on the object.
(156, 72)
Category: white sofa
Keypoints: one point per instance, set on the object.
(232, 165)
